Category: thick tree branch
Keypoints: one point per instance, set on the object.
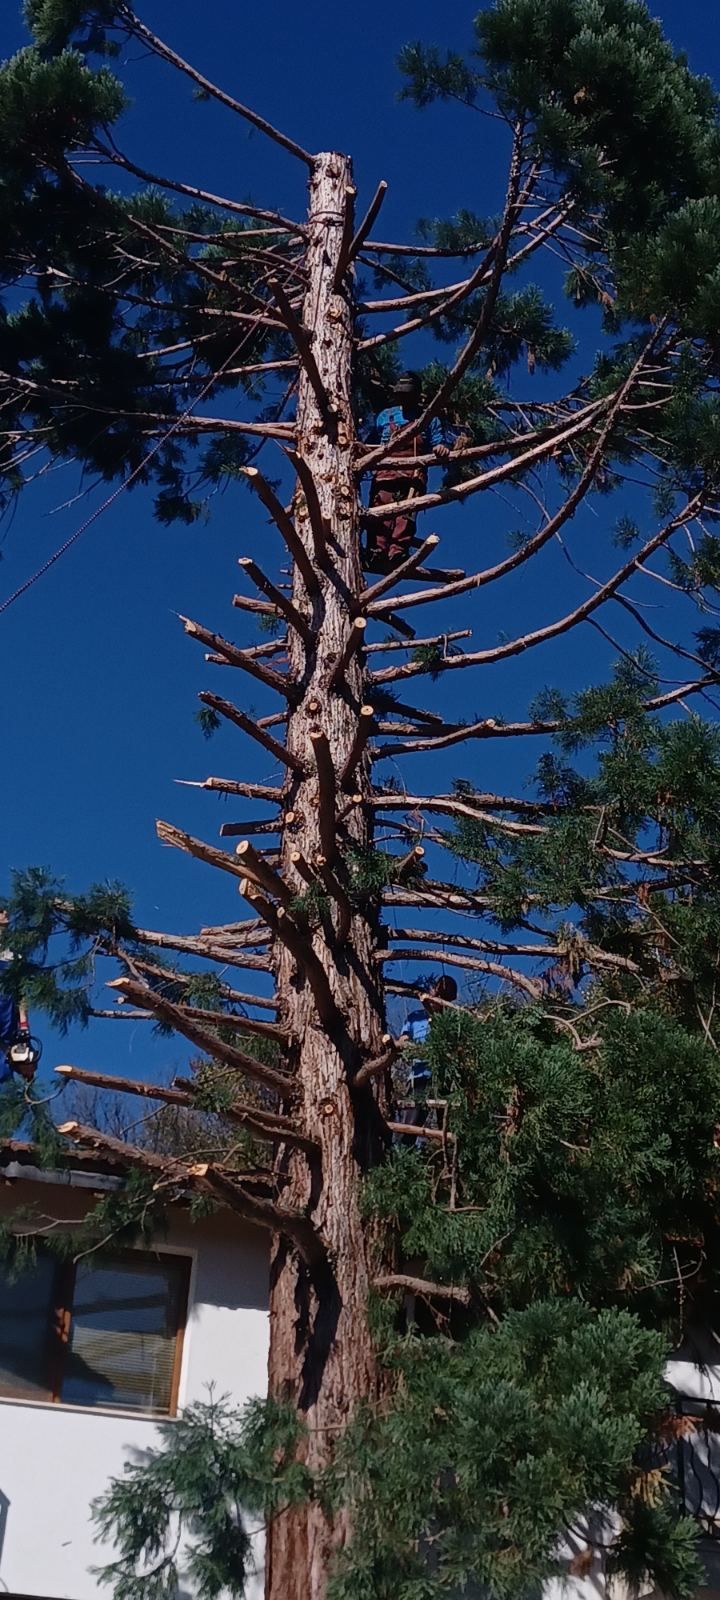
(265, 1124)
(236, 657)
(422, 1286)
(494, 969)
(217, 1049)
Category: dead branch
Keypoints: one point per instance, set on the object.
(303, 954)
(571, 619)
(160, 48)
(318, 525)
(417, 644)
(363, 230)
(302, 339)
(192, 192)
(333, 887)
(226, 1019)
(236, 830)
(168, 834)
(248, 791)
(437, 1135)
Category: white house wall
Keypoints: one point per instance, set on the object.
(55, 1459)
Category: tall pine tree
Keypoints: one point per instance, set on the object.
(558, 1228)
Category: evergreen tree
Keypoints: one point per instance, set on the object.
(558, 1230)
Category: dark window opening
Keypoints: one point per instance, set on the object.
(105, 1332)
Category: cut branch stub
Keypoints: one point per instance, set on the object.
(319, 527)
(352, 644)
(252, 866)
(362, 734)
(326, 792)
(284, 525)
(409, 863)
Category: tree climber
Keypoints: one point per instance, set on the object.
(18, 1050)
(415, 1030)
(389, 541)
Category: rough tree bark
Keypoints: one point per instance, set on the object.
(321, 1355)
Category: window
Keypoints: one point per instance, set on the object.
(105, 1332)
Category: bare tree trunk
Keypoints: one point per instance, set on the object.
(321, 1354)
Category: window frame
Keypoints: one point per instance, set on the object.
(59, 1325)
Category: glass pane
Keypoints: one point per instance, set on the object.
(26, 1323)
(125, 1318)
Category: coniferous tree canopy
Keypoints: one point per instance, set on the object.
(557, 1231)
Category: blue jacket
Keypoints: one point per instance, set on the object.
(393, 418)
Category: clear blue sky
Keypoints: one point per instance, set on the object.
(96, 718)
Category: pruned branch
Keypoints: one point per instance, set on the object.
(362, 734)
(285, 526)
(354, 642)
(326, 792)
(225, 708)
(280, 601)
(217, 1049)
(302, 339)
(318, 526)
(265, 1124)
(237, 657)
